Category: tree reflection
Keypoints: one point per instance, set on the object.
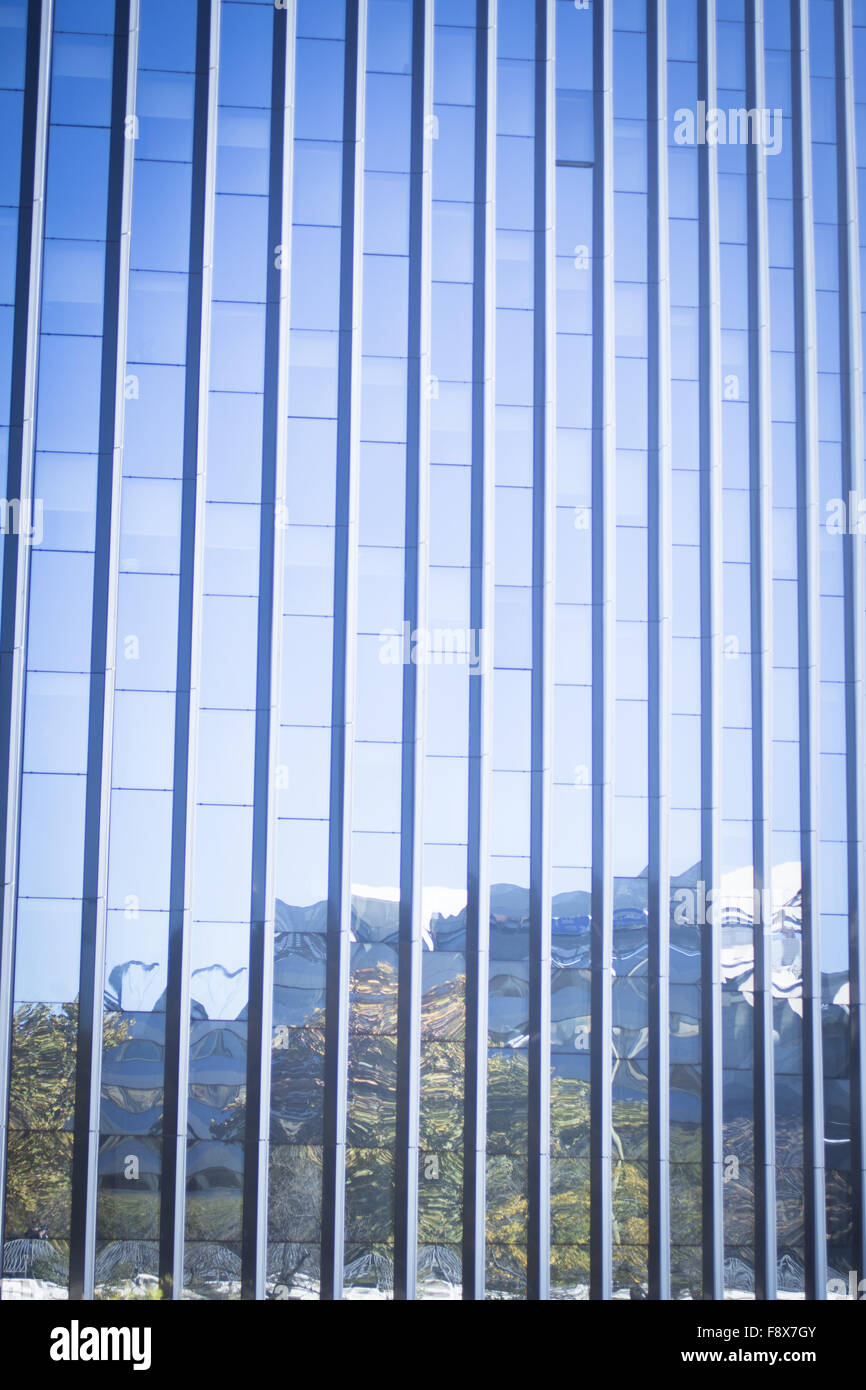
(42, 1099)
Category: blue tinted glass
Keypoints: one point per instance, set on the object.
(453, 165)
(319, 70)
(140, 849)
(81, 80)
(228, 653)
(515, 92)
(389, 36)
(245, 36)
(8, 250)
(143, 739)
(323, 19)
(630, 156)
(242, 153)
(10, 149)
(240, 237)
(386, 208)
(237, 347)
(514, 164)
(77, 185)
(317, 182)
(147, 609)
(573, 47)
(574, 138)
(84, 16)
(72, 287)
(150, 525)
(167, 34)
(454, 55)
(48, 952)
(313, 374)
(629, 79)
(316, 266)
(223, 850)
(12, 49)
(55, 735)
(157, 317)
(51, 807)
(160, 216)
(164, 106)
(153, 443)
(69, 373)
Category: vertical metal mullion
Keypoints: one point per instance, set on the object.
(414, 612)
(543, 444)
(481, 682)
(254, 1241)
(855, 604)
(760, 468)
(19, 483)
(710, 562)
(88, 1059)
(808, 652)
(603, 632)
(177, 1016)
(345, 625)
(659, 613)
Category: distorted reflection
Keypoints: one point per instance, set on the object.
(36, 1249)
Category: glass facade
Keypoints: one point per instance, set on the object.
(432, 641)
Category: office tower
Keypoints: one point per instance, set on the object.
(432, 635)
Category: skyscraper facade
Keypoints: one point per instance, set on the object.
(432, 626)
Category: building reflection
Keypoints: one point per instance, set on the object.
(36, 1251)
